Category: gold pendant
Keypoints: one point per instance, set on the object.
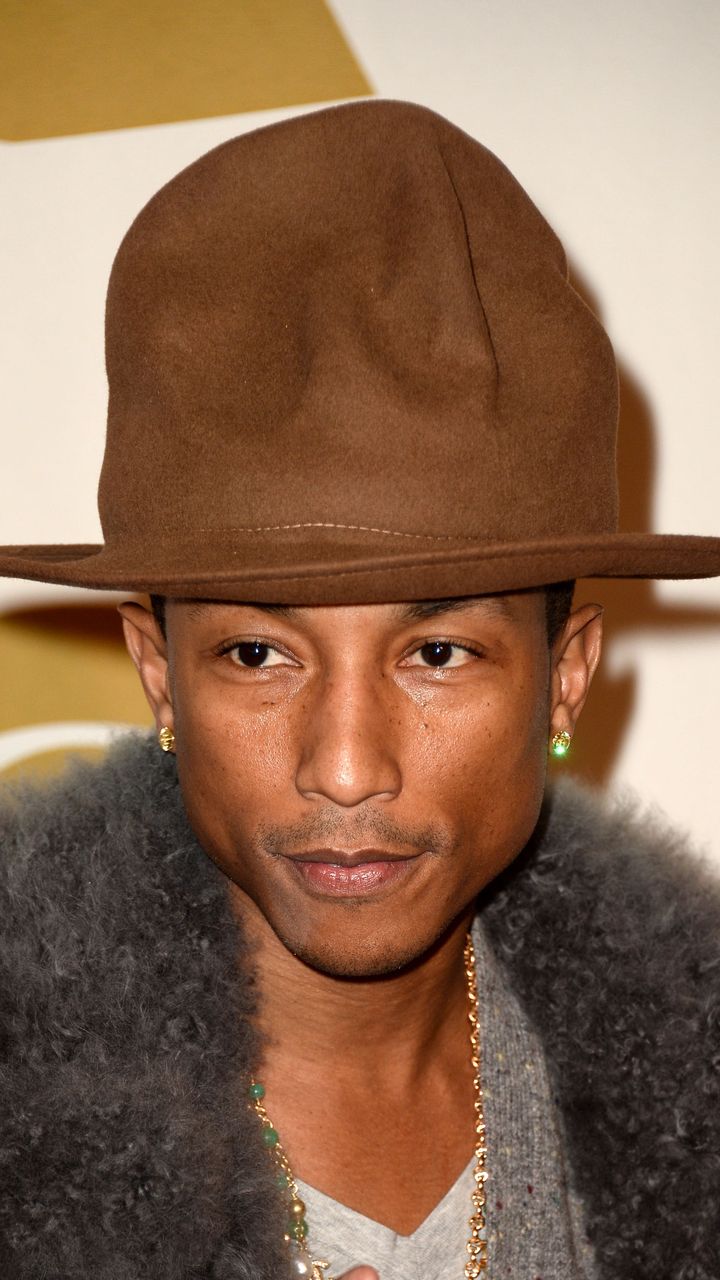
(302, 1265)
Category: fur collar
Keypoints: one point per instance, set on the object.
(126, 1147)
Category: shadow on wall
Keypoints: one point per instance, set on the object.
(631, 605)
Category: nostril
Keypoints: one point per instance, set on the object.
(349, 775)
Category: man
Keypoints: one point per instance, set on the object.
(417, 1020)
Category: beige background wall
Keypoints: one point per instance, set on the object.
(609, 117)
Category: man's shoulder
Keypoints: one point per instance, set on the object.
(609, 919)
(107, 906)
(609, 927)
(90, 850)
(123, 1020)
(615, 863)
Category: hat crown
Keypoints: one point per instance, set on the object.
(357, 322)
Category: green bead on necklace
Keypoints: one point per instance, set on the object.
(302, 1264)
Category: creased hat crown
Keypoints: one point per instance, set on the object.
(321, 325)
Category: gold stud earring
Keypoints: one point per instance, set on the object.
(560, 743)
(166, 738)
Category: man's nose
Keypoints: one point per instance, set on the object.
(349, 734)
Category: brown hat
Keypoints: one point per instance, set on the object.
(346, 365)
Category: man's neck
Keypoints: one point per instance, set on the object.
(417, 1010)
(367, 1079)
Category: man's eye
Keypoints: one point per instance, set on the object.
(253, 653)
(439, 653)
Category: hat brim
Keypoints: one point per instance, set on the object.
(351, 570)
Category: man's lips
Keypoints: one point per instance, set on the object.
(350, 857)
(352, 873)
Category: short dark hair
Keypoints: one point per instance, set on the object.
(157, 604)
(558, 603)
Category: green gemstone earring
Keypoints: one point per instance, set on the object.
(560, 743)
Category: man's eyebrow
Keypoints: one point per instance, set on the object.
(284, 610)
(423, 609)
(198, 608)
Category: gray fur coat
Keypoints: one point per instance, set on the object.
(126, 1147)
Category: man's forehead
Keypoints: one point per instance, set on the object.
(403, 611)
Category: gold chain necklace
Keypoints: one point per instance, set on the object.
(302, 1262)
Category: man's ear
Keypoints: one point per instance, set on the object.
(148, 650)
(575, 656)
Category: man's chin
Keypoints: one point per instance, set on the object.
(350, 957)
(349, 966)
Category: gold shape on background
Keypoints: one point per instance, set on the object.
(67, 663)
(76, 66)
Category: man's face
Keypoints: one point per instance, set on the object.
(360, 773)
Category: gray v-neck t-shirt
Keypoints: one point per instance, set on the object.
(534, 1225)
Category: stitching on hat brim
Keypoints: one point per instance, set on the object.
(349, 528)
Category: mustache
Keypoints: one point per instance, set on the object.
(331, 828)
